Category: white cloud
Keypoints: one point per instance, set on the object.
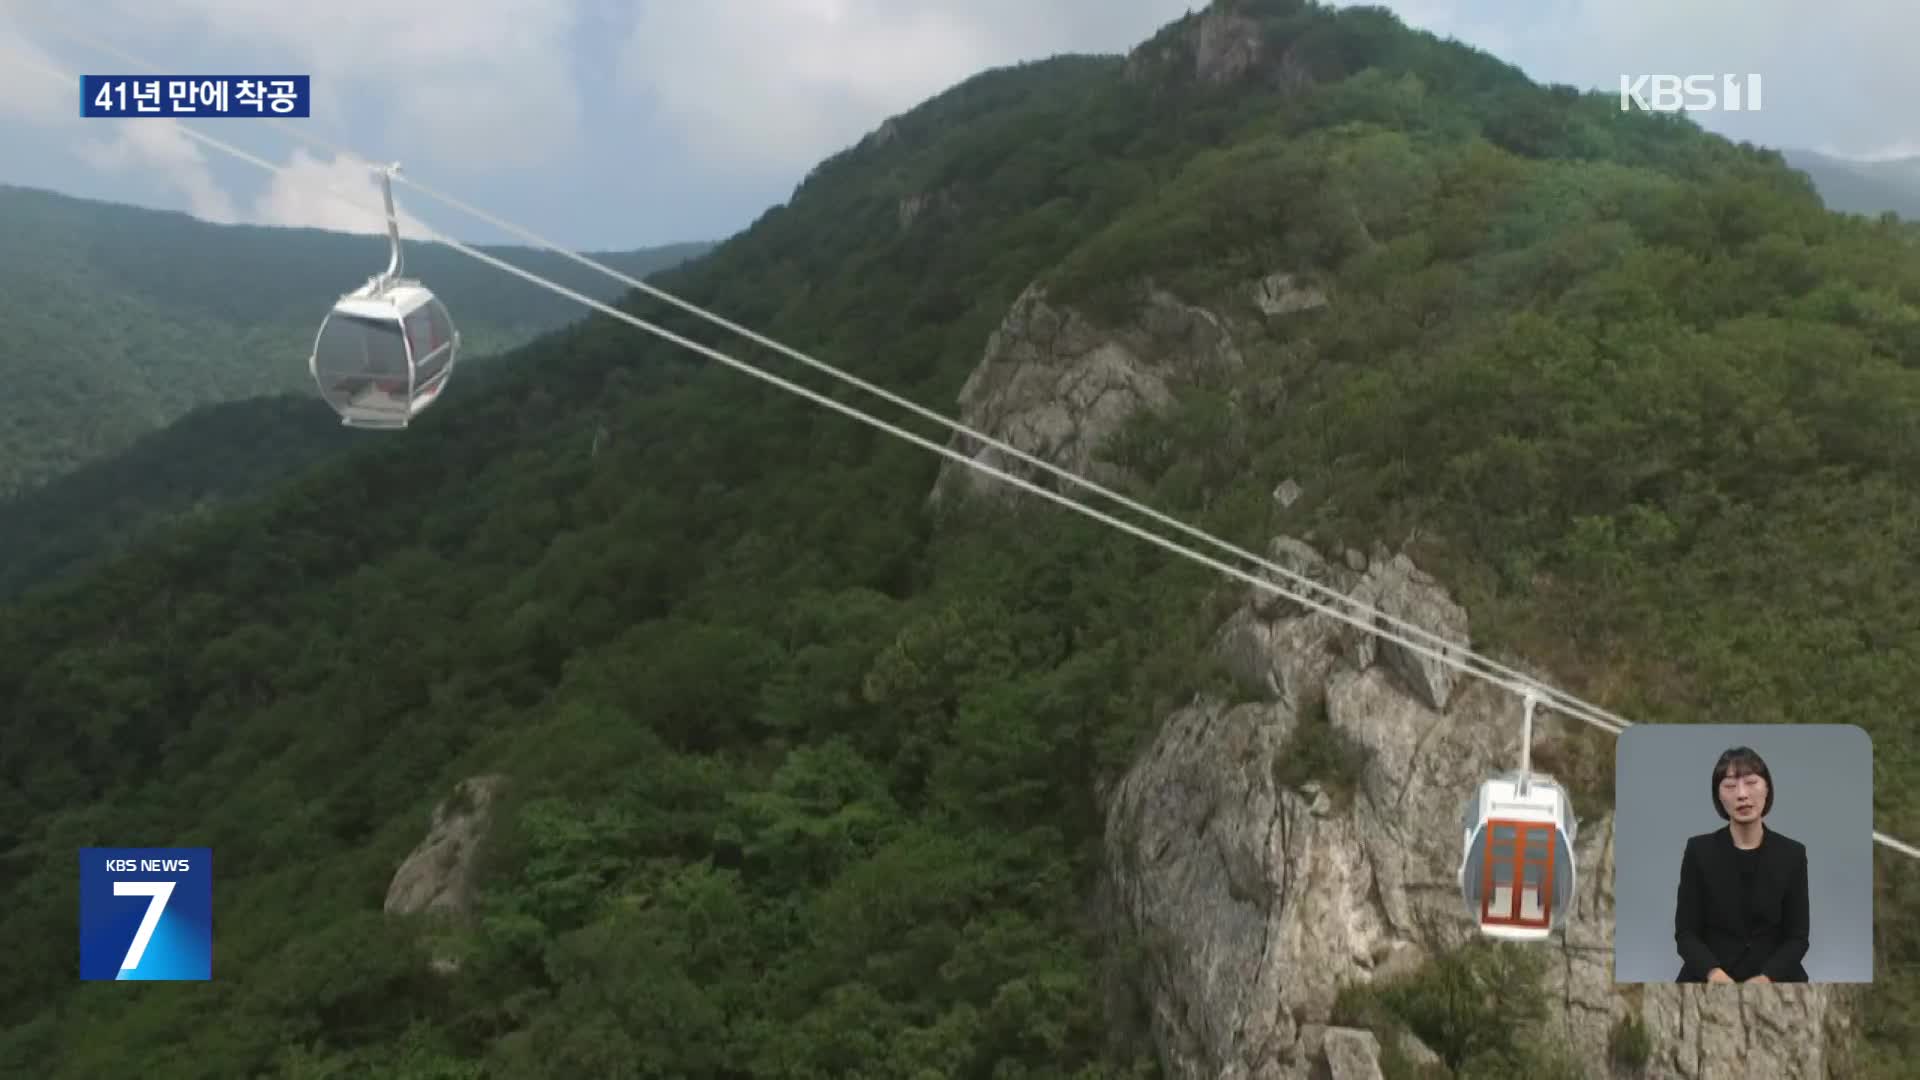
(340, 193)
(801, 77)
(473, 84)
(757, 91)
(1894, 151)
(160, 147)
(31, 90)
(794, 81)
(1839, 78)
(29, 86)
(462, 84)
(770, 89)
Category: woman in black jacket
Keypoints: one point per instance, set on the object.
(1741, 915)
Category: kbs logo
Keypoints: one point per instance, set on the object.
(1693, 93)
(146, 913)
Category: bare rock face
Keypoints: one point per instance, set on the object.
(1056, 386)
(1352, 1054)
(912, 207)
(1738, 1031)
(1215, 47)
(1220, 46)
(1401, 591)
(1280, 294)
(437, 876)
(1226, 47)
(1255, 902)
(1199, 886)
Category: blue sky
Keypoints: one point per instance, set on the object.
(621, 123)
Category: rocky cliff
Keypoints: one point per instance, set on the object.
(1055, 384)
(1276, 856)
(1268, 852)
(1260, 895)
(438, 875)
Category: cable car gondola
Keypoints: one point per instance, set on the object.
(1517, 871)
(386, 350)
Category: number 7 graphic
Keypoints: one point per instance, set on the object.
(160, 891)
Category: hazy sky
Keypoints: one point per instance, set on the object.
(620, 123)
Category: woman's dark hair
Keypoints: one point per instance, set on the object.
(1741, 761)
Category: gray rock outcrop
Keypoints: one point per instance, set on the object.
(1226, 46)
(1255, 902)
(1055, 385)
(1282, 294)
(437, 876)
(911, 207)
(1219, 46)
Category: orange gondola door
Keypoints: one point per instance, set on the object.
(1516, 877)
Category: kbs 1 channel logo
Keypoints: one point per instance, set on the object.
(1690, 93)
(146, 914)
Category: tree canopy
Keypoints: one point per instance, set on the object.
(116, 320)
(803, 781)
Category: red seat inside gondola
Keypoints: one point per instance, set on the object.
(1516, 874)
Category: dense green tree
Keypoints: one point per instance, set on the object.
(148, 358)
(802, 777)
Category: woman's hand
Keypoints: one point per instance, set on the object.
(1760, 979)
(1718, 976)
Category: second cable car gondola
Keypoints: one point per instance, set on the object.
(1517, 871)
(386, 350)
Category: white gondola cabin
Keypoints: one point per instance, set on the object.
(386, 350)
(1517, 871)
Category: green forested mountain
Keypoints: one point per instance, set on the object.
(1863, 187)
(212, 455)
(801, 777)
(116, 320)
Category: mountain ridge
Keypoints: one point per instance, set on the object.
(803, 780)
(152, 312)
(1863, 187)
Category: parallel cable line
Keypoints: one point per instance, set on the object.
(1559, 699)
(1448, 653)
